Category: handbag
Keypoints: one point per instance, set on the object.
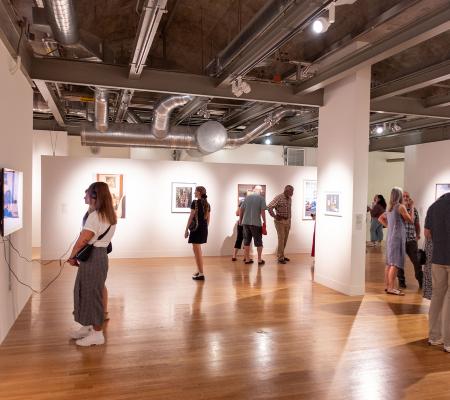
(422, 256)
(85, 252)
(193, 226)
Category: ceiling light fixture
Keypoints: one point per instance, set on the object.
(239, 87)
(267, 141)
(321, 24)
(379, 130)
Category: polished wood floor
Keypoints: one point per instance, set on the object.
(245, 333)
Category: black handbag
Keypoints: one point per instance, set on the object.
(422, 256)
(193, 226)
(85, 252)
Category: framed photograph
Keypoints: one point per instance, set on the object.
(441, 189)
(333, 204)
(246, 189)
(115, 184)
(182, 196)
(309, 198)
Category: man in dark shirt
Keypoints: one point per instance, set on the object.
(412, 236)
(437, 228)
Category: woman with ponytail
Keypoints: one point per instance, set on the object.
(197, 228)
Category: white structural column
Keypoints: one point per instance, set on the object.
(343, 175)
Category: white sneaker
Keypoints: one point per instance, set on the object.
(371, 244)
(438, 342)
(81, 333)
(95, 338)
(447, 349)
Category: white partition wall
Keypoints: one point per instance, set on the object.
(150, 229)
(16, 115)
(343, 179)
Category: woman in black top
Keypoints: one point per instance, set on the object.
(376, 229)
(197, 228)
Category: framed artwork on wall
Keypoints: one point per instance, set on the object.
(309, 198)
(441, 189)
(246, 189)
(333, 204)
(182, 196)
(115, 184)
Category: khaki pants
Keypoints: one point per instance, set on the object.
(283, 228)
(439, 322)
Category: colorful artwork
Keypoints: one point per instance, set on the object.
(244, 190)
(115, 184)
(182, 196)
(332, 204)
(441, 189)
(309, 198)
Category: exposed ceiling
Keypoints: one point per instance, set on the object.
(200, 48)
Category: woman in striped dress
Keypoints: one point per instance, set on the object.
(98, 230)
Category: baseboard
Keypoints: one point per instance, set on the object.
(340, 286)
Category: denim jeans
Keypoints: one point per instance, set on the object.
(376, 231)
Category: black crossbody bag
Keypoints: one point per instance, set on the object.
(85, 252)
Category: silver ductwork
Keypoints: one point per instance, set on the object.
(259, 127)
(62, 18)
(162, 112)
(207, 138)
(137, 135)
(101, 109)
(39, 104)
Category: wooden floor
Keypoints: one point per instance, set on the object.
(245, 333)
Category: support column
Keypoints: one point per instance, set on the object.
(343, 177)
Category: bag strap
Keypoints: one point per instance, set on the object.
(103, 234)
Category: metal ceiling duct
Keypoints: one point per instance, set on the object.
(39, 104)
(161, 115)
(259, 127)
(207, 138)
(61, 15)
(101, 109)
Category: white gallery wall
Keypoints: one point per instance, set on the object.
(425, 166)
(150, 229)
(16, 116)
(45, 143)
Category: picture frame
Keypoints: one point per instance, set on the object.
(309, 199)
(115, 184)
(333, 205)
(441, 189)
(246, 188)
(182, 196)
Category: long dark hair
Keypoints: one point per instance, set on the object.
(103, 201)
(204, 203)
(381, 201)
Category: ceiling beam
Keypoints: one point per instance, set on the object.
(437, 101)
(248, 114)
(116, 77)
(411, 35)
(408, 106)
(52, 100)
(190, 109)
(275, 24)
(410, 138)
(409, 83)
(152, 12)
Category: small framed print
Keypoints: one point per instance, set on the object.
(182, 196)
(333, 204)
(441, 189)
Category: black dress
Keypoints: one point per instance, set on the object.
(200, 235)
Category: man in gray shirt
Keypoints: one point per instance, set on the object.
(252, 210)
(437, 228)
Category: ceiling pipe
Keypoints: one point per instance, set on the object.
(101, 109)
(63, 21)
(162, 112)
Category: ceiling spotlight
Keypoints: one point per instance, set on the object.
(395, 127)
(267, 141)
(239, 87)
(321, 25)
(379, 130)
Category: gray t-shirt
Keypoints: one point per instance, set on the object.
(438, 222)
(252, 207)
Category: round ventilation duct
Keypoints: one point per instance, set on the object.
(211, 137)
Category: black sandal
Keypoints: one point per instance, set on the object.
(248, 262)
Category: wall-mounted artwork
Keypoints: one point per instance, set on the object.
(333, 204)
(115, 184)
(246, 189)
(182, 196)
(309, 198)
(441, 189)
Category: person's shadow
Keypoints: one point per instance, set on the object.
(228, 243)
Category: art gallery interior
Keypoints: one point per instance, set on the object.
(342, 99)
